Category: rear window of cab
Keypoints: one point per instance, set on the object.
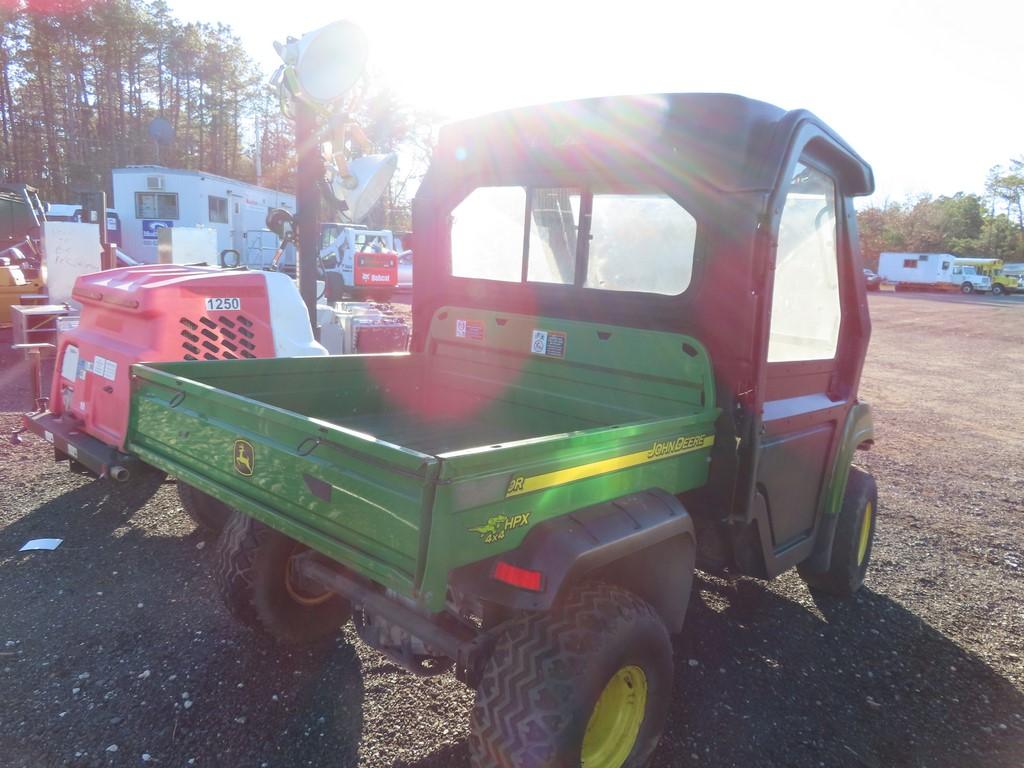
(642, 242)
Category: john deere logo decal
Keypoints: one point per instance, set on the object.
(245, 457)
(496, 528)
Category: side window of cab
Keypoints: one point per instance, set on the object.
(806, 311)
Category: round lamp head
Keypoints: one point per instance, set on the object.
(281, 223)
(330, 60)
(368, 179)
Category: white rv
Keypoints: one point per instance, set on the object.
(150, 197)
(937, 271)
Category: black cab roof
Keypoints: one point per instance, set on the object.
(731, 142)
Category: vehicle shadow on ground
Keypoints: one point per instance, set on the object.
(301, 707)
(96, 507)
(762, 680)
(452, 756)
(857, 682)
(123, 625)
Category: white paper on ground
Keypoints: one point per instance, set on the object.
(41, 544)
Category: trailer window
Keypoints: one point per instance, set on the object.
(218, 210)
(640, 243)
(910, 263)
(805, 300)
(156, 205)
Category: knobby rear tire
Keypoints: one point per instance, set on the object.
(252, 572)
(548, 670)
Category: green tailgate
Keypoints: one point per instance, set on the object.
(356, 499)
(404, 467)
(646, 398)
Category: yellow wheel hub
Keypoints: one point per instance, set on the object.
(616, 719)
(295, 594)
(865, 534)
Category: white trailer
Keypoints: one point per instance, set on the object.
(148, 198)
(936, 271)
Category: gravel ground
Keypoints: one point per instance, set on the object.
(114, 651)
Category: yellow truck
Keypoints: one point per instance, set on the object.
(993, 269)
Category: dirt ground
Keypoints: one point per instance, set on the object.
(114, 650)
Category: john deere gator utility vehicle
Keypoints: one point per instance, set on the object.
(639, 327)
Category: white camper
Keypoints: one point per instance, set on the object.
(150, 197)
(936, 271)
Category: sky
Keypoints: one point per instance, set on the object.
(929, 93)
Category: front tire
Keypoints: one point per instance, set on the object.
(588, 683)
(253, 575)
(998, 290)
(966, 288)
(854, 538)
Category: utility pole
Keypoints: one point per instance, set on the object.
(307, 200)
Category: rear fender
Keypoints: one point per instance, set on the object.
(644, 542)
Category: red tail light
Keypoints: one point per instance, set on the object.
(522, 578)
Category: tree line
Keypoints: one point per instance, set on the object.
(989, 225)
(82, 80)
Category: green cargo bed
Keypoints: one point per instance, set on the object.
(502, 422)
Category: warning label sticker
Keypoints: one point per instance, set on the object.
(548, 343)
(105, 368)
(469, 329)
(556, 344)
(69, 365)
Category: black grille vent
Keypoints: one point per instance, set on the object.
(227, 338)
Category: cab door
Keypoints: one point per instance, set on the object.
(809, 380)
